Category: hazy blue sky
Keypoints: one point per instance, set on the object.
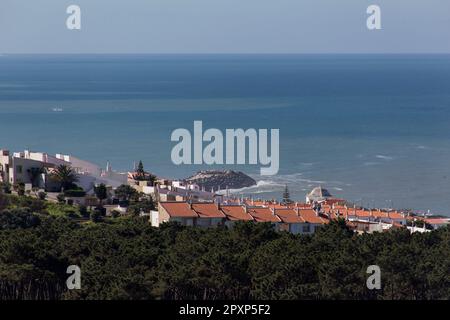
(224, 26)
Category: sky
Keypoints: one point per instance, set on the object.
(224, 26)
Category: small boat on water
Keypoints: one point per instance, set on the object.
(57, 110)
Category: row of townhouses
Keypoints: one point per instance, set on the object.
(297, 218)
(207, 214)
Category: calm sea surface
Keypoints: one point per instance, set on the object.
(374, 129)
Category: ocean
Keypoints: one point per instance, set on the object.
(373, 129)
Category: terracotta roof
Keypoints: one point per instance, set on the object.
(364, 213)
(333, 200)
(437, 221)
(310, 216)
(277, 206)
(234, 213)
(289, 216)
(263, 215)
(395, 215)
(379, 214)
(207, 210)
(179, 209)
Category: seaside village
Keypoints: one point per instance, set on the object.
(187, 203)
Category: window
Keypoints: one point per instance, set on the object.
(306, 228)
(19, 169)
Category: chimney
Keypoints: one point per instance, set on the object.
(297, 211)
(245, 208)
(316, 211)
(272, 210)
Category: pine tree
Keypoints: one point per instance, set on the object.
(286, 196)
(140, 171)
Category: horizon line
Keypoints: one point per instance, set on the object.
(224, 53)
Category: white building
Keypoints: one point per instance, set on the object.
(318, 194)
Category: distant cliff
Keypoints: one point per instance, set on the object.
(222, 179)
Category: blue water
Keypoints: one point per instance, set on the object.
(374, 129)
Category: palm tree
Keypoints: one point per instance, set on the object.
(101, 192)
(65, 176)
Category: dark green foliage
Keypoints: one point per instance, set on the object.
(144, 205)
(126, 258)
(96, 215)
(115, 213)
(18, 218)
(286, 196)
(74, 193)
(84, 211)
(101, 192)
(19, 188)
(142, 175)
(125, 192)
(5, 187)
(61, 197)
(65, 176)
(140, 172)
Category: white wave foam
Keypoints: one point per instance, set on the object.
(261, 186)
(380, 156)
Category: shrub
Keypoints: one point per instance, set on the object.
(18, 218)
(84, 211)
(20, 188)
(74, 193)
(5, 187)
(72, 214)
(115, 213)
(96, 216)
(42, 195)
(101, 210)
(61, 198)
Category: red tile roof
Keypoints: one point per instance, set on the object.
(437, 221)
(289, 216)
(179, 209)
(234, 213)
(207, 210)
(263, 215)
(310, 216)
(395, 215)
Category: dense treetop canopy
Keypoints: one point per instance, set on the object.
(126, 258)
